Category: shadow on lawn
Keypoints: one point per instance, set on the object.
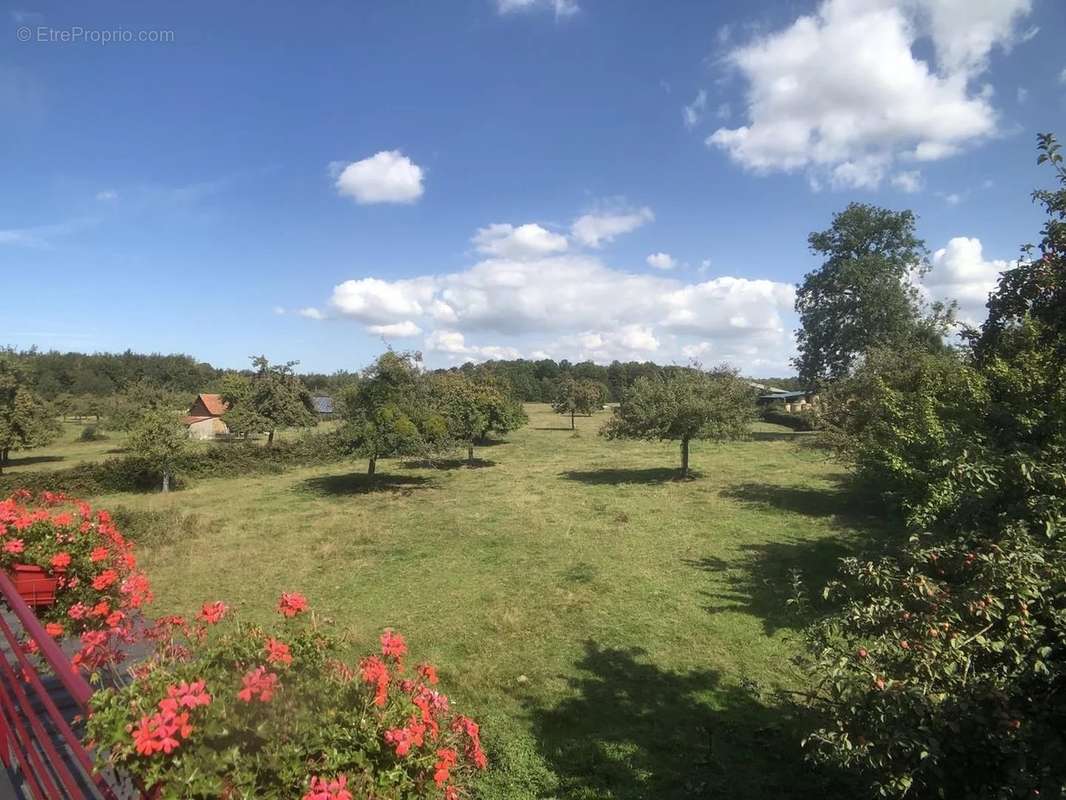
(448, 463)
(25, 461)
(599, 477)
(760, 580)
(361, 483)
(632, 730)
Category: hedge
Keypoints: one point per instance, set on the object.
(798, 422)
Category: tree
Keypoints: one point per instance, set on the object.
(389, 413)
(25, 421)
(862, 295)
(274, 397)
(159, 438)
(472, 408)
(682, 405)
(941, 672)
(578, 397)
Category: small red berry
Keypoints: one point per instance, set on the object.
(862, 652)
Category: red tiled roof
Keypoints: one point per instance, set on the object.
(214, 405)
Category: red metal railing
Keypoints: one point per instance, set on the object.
(36, 739)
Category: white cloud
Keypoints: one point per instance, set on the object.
(960, 272)
(1062, 75)
(397, 329)
(909, 181)
(1022, 95)
(42, 236)
(845, 112)
(694, 111)
(661, 261)
(952, 198)
(453, 344)
(279, 310)
(573, 305)
(311, 313)
(592, 230)
(561, 8)
(107, 195)
(385, 177)
(525, 241)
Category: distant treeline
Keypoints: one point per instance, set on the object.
(54, 374)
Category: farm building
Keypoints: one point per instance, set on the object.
(204, 418)
(793, 401)
(324, 407)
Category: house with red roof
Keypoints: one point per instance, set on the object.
(204, 418)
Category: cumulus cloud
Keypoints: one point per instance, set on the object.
(562, 8)
(400, 330)
(661, 261)
(311, 313)
(575, 306)
(107, 195)
(385, 177)
(846, 112)
(909, 181)
(961, 272)
(525, 241)
(595, 229)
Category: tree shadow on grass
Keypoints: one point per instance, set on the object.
(361, 483)
(448, 463)
(781, 436)
(760, 579)
(631, 730)
(26, 461)
(599, 477)
(564, 428)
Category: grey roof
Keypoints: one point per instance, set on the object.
(784, 395)
(323, 404)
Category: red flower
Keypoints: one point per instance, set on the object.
(105, 579)
(54, 629)
(393, 644)
(429, 672)
(321, 789)
(291, 603)
(375, 671)
(98, 554)
(446, 758)
(212, 613)
(77, 611)
(473, 734)
(403, 739)
(61, 561)
(14, 545)
(258, 683)
(278, 652)
(189, 695)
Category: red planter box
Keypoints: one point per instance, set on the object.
(33, 584)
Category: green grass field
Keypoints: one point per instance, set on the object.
(619, 634)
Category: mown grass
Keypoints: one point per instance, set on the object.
(620, 634)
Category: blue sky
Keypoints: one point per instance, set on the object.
(572, 178)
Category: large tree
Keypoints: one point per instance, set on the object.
(573, 396)
(473, 408)
(389, 412)
(682, 405)
(25, 421)
(273, 397)
(862, 295)
(159, 438)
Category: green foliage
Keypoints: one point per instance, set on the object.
(391, 413)
(472, 408)
(25, 421)
(683, 405)
(159, 439)
(574, 397)
(942, 674)
(273, 397)
(91, 433)
(862, 295)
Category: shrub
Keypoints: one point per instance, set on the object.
(91, 433)
(230, 709)
(790, 419)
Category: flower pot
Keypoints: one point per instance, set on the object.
(34, 584)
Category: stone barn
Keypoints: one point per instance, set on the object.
(204, 418)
